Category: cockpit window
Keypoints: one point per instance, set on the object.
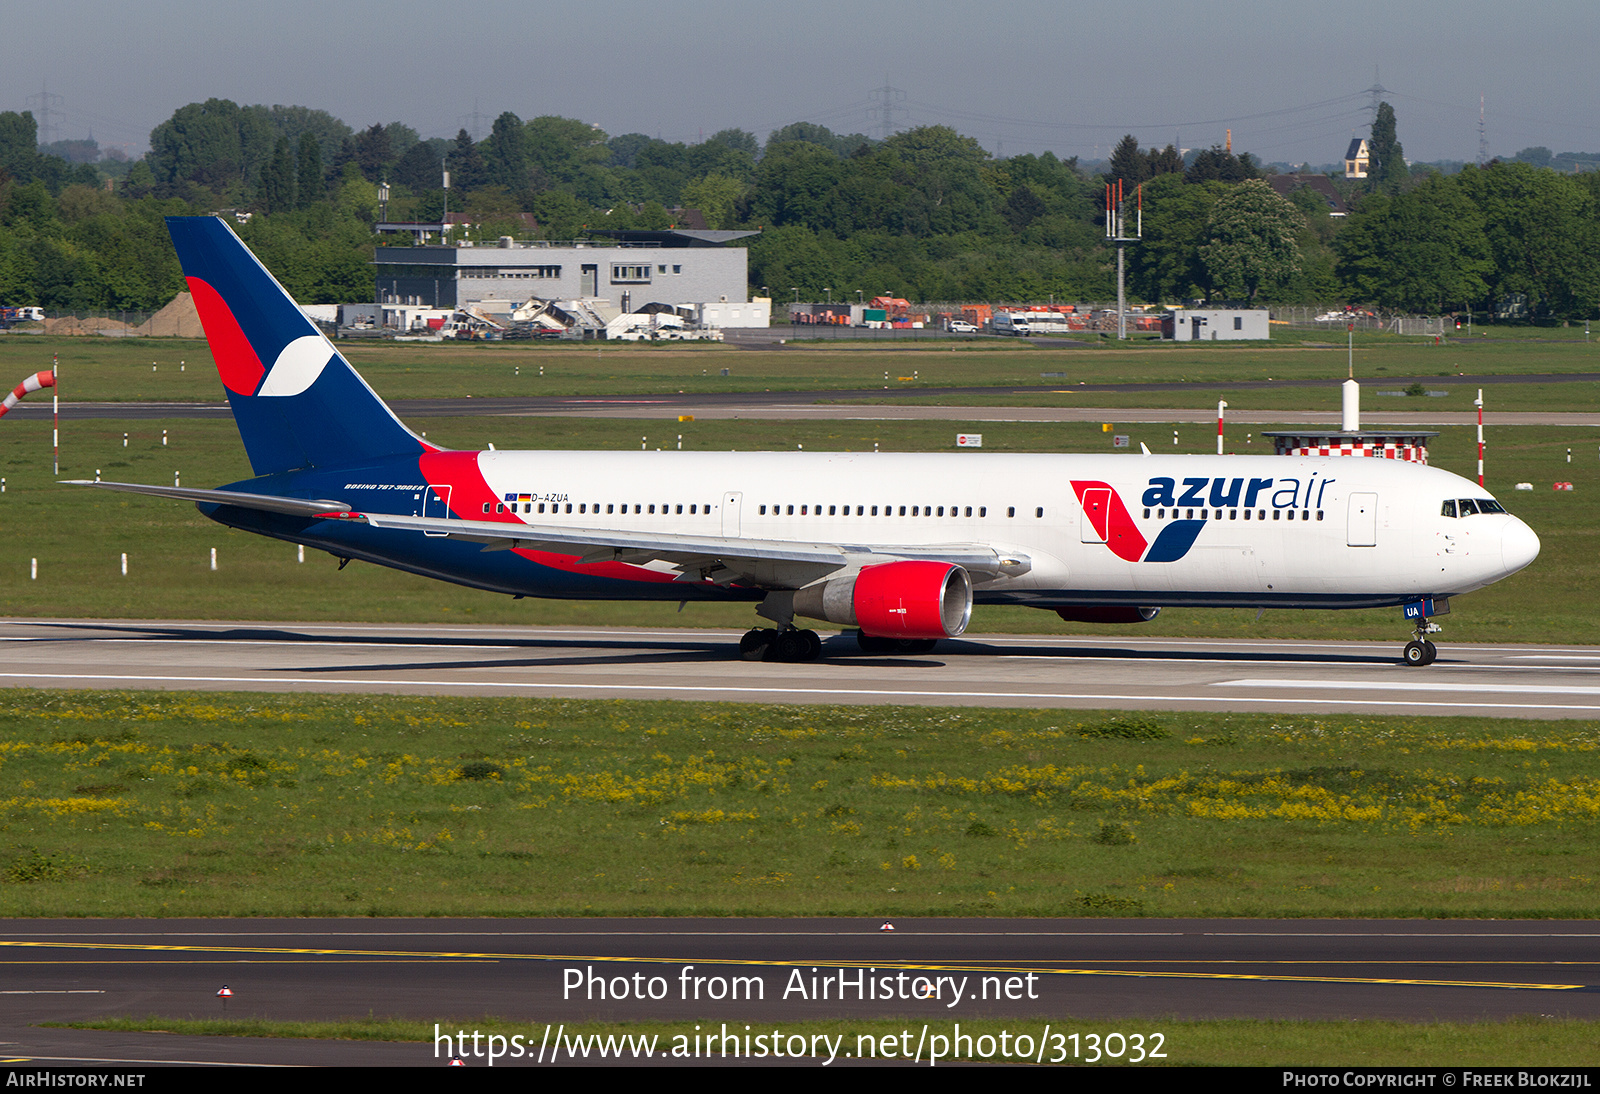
(1467, 507)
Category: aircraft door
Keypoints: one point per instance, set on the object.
(730, 513)
(436, 503)
(1096, 515)
(1363, 527)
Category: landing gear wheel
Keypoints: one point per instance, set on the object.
(1420, 653)
(916, 645)
(795, 645)
(813, 645)
(755, 644)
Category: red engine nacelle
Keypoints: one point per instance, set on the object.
(894, 600)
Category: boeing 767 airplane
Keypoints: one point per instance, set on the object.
(899, 546)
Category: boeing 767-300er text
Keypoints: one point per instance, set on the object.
(899, 546)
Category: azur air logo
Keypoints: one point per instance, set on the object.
(1107, 520)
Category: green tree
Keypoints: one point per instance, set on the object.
(467, 169)
(216, 144)
(1543, 231)
(1217, 164)
(716, 196)
(374, 153)
(1421, 251)
(797, 183)
(1128, 164)
(308, 183)
(1387, 169)
(1253, 240)
(1165, 264)
(277, 190)
(505, 154)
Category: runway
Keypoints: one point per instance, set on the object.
(1142, 973)
(1145, 673)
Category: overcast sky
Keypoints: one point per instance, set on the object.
(1018, 75)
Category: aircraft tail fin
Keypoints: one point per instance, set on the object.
(298, 403)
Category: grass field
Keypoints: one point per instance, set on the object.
(78, 535)
(120, 369)
(254, 805)
(1525, 1042)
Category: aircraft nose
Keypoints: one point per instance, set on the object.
(1519, 545)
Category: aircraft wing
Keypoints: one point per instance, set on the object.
(721, 559)
(271, 503)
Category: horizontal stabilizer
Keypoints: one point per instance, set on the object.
(271, 503)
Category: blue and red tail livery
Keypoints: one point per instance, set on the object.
(900, 546)
(296, 399)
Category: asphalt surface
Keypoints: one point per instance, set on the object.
(1141, 972)
(1130, 673)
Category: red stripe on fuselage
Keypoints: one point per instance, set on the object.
(468, 493)
(1114, 522)
(241, 370)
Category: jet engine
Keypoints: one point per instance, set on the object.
(894, 600)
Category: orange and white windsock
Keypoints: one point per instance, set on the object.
(31, 384)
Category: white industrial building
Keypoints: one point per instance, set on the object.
(625, 271)
(1215, 324)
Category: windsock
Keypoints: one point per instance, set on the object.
(31, 384)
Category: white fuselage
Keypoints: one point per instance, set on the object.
(1286, 531)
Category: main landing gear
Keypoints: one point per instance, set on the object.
(789, 644)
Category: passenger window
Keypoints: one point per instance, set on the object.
(1011, 510)
(1039, 513)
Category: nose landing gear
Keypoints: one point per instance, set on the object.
(1419, 651)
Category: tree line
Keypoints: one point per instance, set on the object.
(926, 214)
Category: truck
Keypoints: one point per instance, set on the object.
(10, 317)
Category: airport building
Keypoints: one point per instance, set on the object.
(1215, 324)
(625, 270)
